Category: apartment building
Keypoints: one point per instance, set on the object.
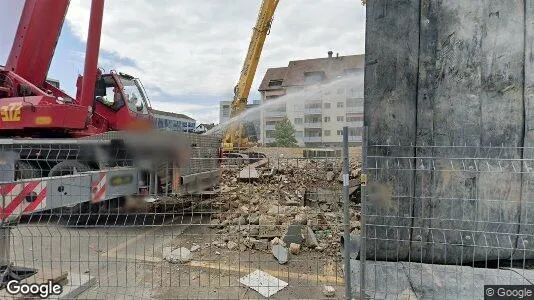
(173, 122)
(319, 96)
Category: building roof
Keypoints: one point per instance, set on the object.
(207, 126)
(272, 74)
(170, 114)
(330, 67)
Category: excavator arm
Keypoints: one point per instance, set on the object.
(233, 135)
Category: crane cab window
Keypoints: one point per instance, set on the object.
(135, 98)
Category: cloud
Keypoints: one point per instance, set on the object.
(187, 47)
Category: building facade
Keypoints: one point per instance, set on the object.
(173, 122)
(319, 96)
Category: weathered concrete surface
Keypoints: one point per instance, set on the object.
(391, 67)
(472, 87)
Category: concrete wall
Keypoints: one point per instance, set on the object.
(444, 73)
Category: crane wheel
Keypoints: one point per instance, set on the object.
(68, 167)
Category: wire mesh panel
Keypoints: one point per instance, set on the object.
(443, 222)
(135, 220)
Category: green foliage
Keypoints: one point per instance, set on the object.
(284, 134)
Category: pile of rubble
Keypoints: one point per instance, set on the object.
(298, 208)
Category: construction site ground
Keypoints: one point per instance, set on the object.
(126, 257)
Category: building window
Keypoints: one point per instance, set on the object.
(340, 105)
(326, 105)
(270, 123)
(326, 119)
(298, 120)
(327, 133)
(313, 77)
(275, 82)
(314, 105)
(340, 118)
(340, 132)
(312, 119)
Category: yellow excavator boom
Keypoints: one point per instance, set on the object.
(233, 136)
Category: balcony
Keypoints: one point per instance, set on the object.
(313, 124)
(275, 113)
(355, 124)
(312, 139)
(313, 111)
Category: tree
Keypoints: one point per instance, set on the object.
(284, 134)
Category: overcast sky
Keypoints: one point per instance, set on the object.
(189, 53)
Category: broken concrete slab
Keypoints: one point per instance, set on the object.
(249, 173)
(280, 253)
(180, 255)
(311, 239)
(294, 234)
(263, 283)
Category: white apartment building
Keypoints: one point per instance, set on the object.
(319, 96)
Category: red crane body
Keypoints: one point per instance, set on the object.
(32, 107)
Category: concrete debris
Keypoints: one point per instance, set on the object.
(194, 248)
(329, 291)
(330, 176)
(263, 283)
(214, 223)
(294, 248)
(301, 219)
(254, 219)
(294, 234)
(280, 253)
(268, 227)
(232, 245)
(311, 239)
(277, 241)
(260, 244)
(301, 203)
(180, 255)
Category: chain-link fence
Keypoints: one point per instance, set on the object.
(137, 218)
(442, 222)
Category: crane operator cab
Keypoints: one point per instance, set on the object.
(121, 99)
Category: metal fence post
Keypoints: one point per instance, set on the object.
(346, 212)
(363, 194)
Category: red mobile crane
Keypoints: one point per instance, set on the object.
(32, 107)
